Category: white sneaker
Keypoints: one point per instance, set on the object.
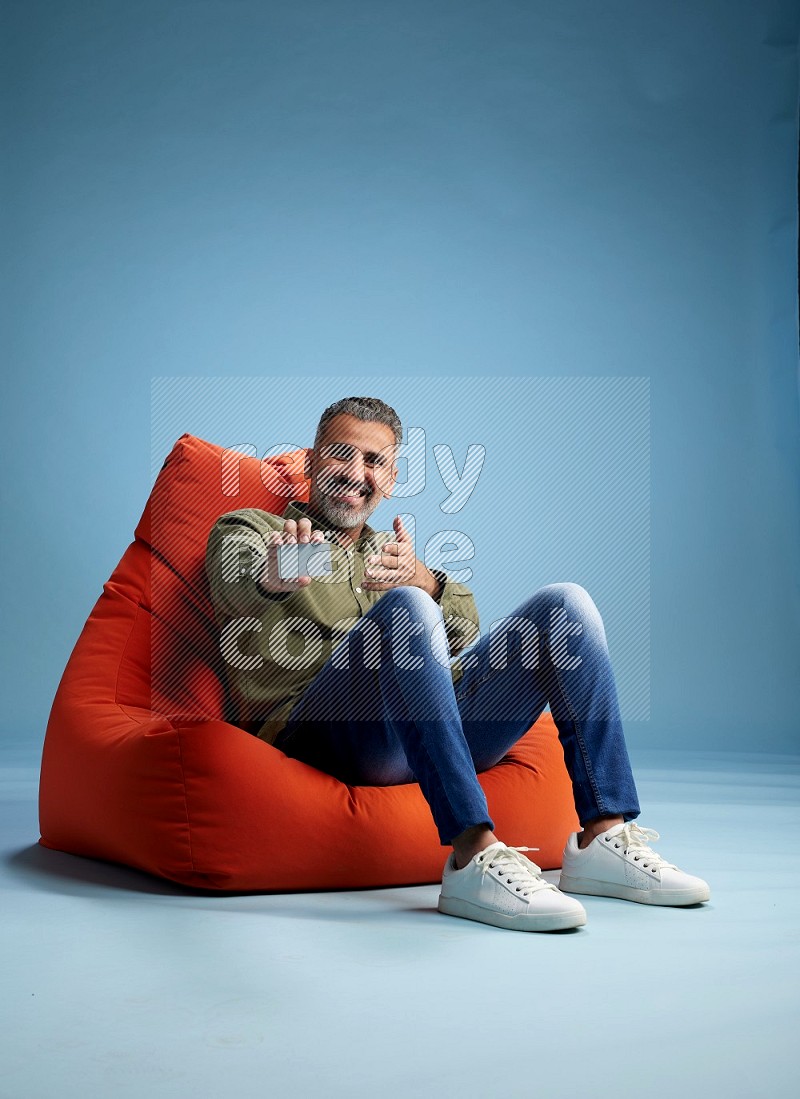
(504, 888)
(618, 863)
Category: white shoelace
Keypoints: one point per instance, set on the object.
(634, 839)
(515, 868)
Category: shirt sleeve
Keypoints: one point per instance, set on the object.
(461, 621)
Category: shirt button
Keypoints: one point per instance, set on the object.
(358, 590)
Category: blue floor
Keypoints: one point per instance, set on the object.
(118, 984)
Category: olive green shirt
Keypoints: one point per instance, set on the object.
(264, 690)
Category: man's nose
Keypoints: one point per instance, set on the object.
(356, 469)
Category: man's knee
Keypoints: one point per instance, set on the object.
(402, 627)
(573, 598)
(397, 603)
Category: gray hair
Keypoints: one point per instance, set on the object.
(371, 409)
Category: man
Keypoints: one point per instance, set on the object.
(373, 674)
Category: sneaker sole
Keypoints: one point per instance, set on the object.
(548, 921)
(671, 897)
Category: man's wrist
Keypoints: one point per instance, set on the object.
(438, 581)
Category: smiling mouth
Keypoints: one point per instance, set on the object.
(349, 497)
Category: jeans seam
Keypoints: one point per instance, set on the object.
(474, 685)
(435, 771)
(581, 742)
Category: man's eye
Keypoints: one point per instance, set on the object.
(342, 453)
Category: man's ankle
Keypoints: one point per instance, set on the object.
(470, 842)
(594, 828)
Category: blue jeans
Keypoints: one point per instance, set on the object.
(383, 709)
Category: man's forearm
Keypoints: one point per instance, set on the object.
(429, 583)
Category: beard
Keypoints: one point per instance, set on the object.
(340, 515)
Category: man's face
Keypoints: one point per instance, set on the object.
(350, 470)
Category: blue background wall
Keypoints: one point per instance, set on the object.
(446, 195)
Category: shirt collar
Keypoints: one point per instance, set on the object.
(298, 509)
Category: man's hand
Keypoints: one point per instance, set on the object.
(293, 531)
(397, 565)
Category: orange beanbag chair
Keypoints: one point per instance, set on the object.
(141, 764)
